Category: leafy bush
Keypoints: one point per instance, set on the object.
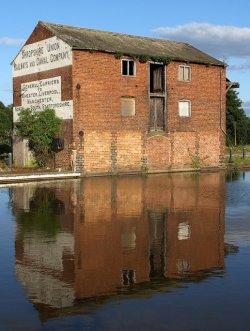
(5, 148)
(39, 128)
(5, 124)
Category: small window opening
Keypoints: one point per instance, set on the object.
(156, 78)
(185, 73)
(128, 68)
(183, 266)
(128, 277)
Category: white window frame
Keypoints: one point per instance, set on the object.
(190, 108)
(183, 66)
(128, 60)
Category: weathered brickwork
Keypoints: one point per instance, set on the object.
(184, 148)
(188, 142)
(97, 151)
(210, 153)
(110, 142)
(129, 151)
(158, 152)
(62, 158)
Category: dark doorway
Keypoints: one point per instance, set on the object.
(157, 229)
(157, 81)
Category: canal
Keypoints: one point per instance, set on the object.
(162, 252)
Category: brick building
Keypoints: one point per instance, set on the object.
(129, 103)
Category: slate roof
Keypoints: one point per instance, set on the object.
(89, 39)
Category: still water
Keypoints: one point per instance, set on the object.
(164, 252)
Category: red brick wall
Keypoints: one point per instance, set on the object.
(188, 142)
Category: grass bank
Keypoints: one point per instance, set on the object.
(238, 161)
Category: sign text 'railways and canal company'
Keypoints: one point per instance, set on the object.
(44, 55)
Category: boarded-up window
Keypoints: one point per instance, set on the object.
(157, 114)
(156, 78)
(184, 73)
(185, 108)
(128, 106)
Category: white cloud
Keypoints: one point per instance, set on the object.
(222, 41)
(246, 104)
(11, 41)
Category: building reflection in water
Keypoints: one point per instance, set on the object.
(77, 240)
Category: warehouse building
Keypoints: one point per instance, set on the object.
(128, 103)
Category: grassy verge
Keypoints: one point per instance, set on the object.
(239, 162)
(238, 149)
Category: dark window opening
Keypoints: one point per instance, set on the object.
(128, 277)
(124, 68)
(157, 78)
(157, 122)
(128, 68)
(131, 67)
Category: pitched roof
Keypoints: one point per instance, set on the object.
(89, 39)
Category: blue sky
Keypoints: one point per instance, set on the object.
(220, 27)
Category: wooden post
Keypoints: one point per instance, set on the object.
(230, 156)
(244, 153)
(235, 133)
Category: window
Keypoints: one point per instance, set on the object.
(185, 73)
(127, 107)
(185, 108)
(184, 231)
(156, 78)
(128, 277)
(128, 239)
(128, 68)
(157, 122)
(183, 266)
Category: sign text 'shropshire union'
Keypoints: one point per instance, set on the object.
(44, 55)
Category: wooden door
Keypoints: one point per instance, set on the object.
(156, 114)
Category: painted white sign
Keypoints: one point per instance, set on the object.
(43, 55)
(44, 93)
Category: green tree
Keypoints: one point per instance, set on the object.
(236, 117)
(39, 128)
(6, 115)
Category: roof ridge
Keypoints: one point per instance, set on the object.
(116, 42)
(113, 33)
